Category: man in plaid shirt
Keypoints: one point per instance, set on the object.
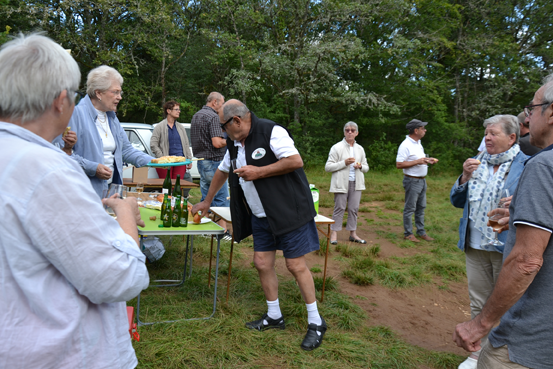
(208, 142)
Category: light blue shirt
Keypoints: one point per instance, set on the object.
(88, 151)
(66, 266)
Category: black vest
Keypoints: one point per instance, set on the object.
(286, 199)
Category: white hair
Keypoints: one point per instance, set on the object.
(547, 92)
(234, 109)
(34, 71)
(351, 124)
(101, 78)
(509, 124)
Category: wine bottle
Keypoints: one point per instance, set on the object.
(184, 213)
(167, 185)
(176, 202)
(168, 214)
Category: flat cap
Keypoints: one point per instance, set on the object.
(415, 123)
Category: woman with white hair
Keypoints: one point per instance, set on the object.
(67, 267)
(478, 190)
(348, 163)
(102, 144)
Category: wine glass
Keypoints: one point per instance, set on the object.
(139, 189)
(493, 220)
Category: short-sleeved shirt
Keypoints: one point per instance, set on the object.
(410, 150)
(526, 328)
(282, 146)
(204, 126)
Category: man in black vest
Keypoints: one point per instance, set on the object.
(271, 199)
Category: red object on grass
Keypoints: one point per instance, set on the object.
(132, 325)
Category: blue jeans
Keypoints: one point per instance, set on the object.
(207, 169)
(415, 202)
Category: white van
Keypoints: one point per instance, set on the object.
(139, 135)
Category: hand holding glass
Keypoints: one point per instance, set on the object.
(493, 220)
(117, 190)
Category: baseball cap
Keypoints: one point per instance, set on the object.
(415, 123)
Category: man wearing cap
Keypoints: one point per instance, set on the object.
(524, 142)
(412, 159)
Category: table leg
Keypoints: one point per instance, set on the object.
(326, 260)
(210, 256)
(230, 265)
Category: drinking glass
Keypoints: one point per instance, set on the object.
(233, 165)
(494, 219)
(139, 189)
(118, 190)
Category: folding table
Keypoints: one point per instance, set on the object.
(152, 229)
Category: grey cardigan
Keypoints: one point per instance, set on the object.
(159, 143)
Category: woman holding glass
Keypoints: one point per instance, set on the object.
(348, 164)
(490, 176)
(102, 144)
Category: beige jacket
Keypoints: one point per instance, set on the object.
(159, 143)
(340, 171)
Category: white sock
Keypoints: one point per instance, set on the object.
(273, 310)
(313, 316)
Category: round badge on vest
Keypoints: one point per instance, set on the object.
(258, 153)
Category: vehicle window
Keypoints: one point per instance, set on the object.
(136, 142)
(188, 134)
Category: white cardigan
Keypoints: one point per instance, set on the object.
(340, 171)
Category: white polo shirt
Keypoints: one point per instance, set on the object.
(410, 150)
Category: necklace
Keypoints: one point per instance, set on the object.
(102, 123)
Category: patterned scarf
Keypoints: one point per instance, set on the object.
(483, 196)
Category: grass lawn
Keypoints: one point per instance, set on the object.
(224, 342)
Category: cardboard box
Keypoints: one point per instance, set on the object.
(140, 174)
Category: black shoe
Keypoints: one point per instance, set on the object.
(273, 323)
(312, 340)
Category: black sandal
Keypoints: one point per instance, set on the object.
(312, 339)
(356, 240)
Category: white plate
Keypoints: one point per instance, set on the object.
(204, 220)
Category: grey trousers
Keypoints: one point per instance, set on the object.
(415, 202)
(483, 268)
(496, 358)
(351, 199)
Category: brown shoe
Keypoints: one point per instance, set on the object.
(411, 237)
(426, 237)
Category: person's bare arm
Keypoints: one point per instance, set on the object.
(219, 179)
(283, 166)
(518, 272)
(128, 215)
(409, 164)
(218, 142)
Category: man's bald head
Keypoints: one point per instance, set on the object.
(234, 108)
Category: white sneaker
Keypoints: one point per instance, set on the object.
(470, 363)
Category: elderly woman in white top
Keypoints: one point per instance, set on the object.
(102, 144)
(348, 163)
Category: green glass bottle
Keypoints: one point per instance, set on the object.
(176, 202)
(168, 214)
(167, 185)
(184, 213)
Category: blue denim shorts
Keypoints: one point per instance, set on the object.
(293, 244)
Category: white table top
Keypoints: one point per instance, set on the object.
(224, 213)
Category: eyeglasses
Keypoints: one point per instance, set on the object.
(176, 109)
(229, 120)
(117, 92)
(529, 108)
(77, 96)
(349, 130)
